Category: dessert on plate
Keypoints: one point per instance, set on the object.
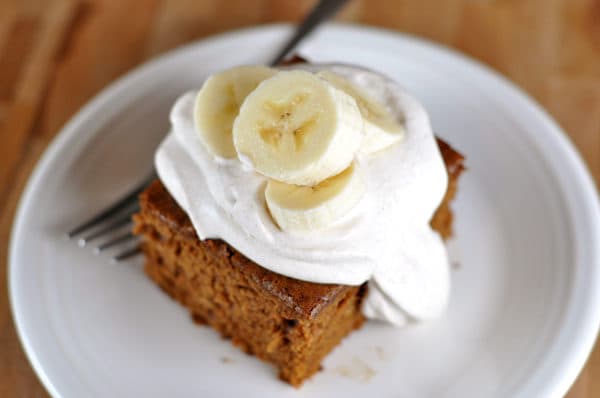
(294, 203)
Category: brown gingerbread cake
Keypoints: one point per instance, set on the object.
(290, 323)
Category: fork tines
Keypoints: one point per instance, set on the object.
(105, 226)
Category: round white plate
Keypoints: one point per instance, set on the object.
(524, 310)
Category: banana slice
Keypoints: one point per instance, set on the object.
(297, 128)
(300, 208)
(381, 129)
(218, 103)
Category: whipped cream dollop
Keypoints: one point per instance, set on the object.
(386, 239)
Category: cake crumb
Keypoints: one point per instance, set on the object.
(358, 370)
(380, 353)
(226, 360)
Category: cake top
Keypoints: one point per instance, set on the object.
(323, 173)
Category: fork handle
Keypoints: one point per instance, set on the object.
(323, 10)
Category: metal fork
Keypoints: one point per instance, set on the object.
(103, 226)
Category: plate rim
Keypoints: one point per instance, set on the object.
(575, 355)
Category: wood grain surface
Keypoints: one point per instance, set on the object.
(56, 55)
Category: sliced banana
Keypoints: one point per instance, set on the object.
(297, 128)
(218, 103)
(301, 209)
(381, 129)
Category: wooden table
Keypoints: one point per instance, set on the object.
(56, 55)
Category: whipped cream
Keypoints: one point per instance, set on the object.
(385, 240)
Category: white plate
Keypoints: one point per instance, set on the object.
(524, 311)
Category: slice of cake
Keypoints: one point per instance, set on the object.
(290, 323)
(293, 204)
